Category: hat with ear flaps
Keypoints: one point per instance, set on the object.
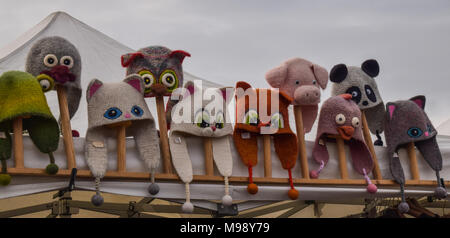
(256, 115)
(201, 122)
(340, 116)
(119, 104)
(407, 122)
(22, 96)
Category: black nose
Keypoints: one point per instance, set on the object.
(365, 103)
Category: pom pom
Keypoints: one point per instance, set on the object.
(187, 207)
(372, 188)
(97, 200)
(252, 188)
(75, 133)
(5, 179)
(403, 207)
(52, 169)
(293, 194)
(440, 193)
(227, 200)
(313, 174)
(153, 188)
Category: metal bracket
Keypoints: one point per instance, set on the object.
(223, 210)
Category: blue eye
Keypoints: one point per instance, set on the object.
(414, 132)
(137, 111)
(112, 113)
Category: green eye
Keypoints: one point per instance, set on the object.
(202, 119)
(148, 78)
(276, 121)
(169, 79)
(251, 117)
(220, 120)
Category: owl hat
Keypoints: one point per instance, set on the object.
(22, 96)
(202, 123)
(406, 122)
(340, 116)
(251, 105)
(115, 103)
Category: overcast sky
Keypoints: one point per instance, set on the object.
(241, 40)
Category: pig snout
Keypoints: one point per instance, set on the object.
(307, 95)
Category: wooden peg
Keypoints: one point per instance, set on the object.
(368, 139)
(18, 142)
(301, 141)
(66, 128)
(267, 156)
(121, 144)
(163, 136)
(341, 155)
(413, 161)
(208, 149)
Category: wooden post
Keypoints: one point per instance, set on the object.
(207, 146)
(66, 128)
(301, 141)
(18, 142)
(413, 161)
(121, 128)
(368, 139)
(164, 138)
(342, 159)
(267, 157)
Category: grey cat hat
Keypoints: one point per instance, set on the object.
(113, 103)
(360, 83)
(406, 122)
(208, 118)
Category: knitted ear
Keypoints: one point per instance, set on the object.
(419, 100)
(227, 93)
(126, 59)
(338, 73)
(190, 86)
(321, 75)
(179, 54)
(275, 77)
(93, 87)
(136, 82)
(390, 108)
(371, 67)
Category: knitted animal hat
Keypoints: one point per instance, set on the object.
(340, 116)
(301, 80)
(360, 83)
(160, 68)
(54, 60)
(22, 96)
(257, 113)
(119, 103)
(202, 113)
(407, 122)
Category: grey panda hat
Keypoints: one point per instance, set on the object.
(406, 121)
(113, 103)
(208, 118)
(360, 83)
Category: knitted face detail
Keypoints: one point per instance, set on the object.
(56, 61)
(301, 80)
(160, 68)
(206, 112)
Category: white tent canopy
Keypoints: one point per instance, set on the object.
(100, 57)
(444, 128)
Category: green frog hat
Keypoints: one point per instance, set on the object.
(22, 96)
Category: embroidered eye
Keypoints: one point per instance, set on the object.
(46, 82)
(429, 128)
(50, 60)
(169, 79)
(202, 119)
(314, 82)
(355, 92)
(370, 94)
(137, 111)
(251, 117)
(112, 113)
(414, 132)
(355, 122)
(220, 120)
(340, 119)
(67, 61)
(276, 121)
(148, 79)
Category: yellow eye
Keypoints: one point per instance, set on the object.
(276, 121)
(251, 117)
(220, 120)
(202, 119)
(169, 79)
(50, 60)
(148, 78)
(47, 83)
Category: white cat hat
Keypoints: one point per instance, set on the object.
(202, 113)
(113, 103)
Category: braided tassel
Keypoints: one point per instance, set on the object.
(371, 188)
(187, 207)
(97, 199)
(251, 188)
(153, 188)
(227, 200)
